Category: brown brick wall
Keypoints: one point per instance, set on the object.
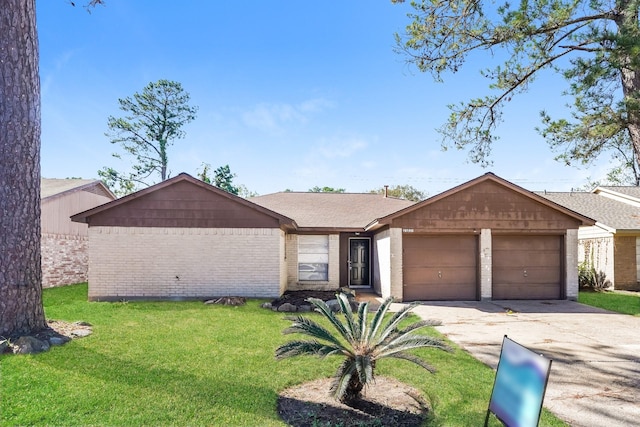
(626, 272)
(64, 259)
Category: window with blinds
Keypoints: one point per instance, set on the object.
(313, 258)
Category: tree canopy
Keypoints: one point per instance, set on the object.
(593, 44)
(407, 192)
(317, 189)
(154, 120)
(223, 179)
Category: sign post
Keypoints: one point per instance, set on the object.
(519, 386)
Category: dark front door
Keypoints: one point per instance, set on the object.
(359, 262)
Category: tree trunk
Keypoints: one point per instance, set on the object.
(21, 310)
(353, 391)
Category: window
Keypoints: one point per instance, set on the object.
(313, 258)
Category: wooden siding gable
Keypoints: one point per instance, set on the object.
(485, 202)
(185, 202)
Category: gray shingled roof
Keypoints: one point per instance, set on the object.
(627, 191)
(50, 187)
(604, 210)
(331, 210)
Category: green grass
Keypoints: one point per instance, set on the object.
(186, 363)
(625, 303)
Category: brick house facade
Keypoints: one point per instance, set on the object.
(64, 244)
(185, 239)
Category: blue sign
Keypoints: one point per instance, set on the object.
(519, 387)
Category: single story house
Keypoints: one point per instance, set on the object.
(65, 258)
(612, 244)
(182, 238)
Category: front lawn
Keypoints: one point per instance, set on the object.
(186, 363)
(625, 303)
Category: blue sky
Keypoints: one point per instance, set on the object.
(291, 95)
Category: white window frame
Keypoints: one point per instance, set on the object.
(313, 257)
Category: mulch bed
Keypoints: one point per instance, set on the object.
(299, 298)
(388, 402)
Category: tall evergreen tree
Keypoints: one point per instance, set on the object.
(593, 44)
(21, 310)
(154, 120)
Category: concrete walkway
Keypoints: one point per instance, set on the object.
(595, 375)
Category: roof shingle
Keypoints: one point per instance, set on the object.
(331, 210)
(606, 211)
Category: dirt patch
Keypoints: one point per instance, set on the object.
(70, 330)
(388, 402)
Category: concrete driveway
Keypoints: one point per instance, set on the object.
(595, 375)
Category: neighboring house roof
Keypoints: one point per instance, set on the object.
(628, 195)
(50, 187)
(613, 215)
(331, 210)
(186, 181)
(584, 219)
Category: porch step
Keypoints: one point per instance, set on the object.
(368, 296)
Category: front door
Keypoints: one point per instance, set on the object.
(359, 262)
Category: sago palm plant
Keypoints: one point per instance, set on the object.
(360, 343)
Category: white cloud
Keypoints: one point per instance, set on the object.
(272, 118)
(341, 147)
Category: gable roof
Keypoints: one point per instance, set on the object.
(183, 178)
(611, 214)
(489, 176)
(51, 187)
(331, 211)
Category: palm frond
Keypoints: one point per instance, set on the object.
(415, 359)
(392, 324)
(409, 342)
(325, 310)
(311, 348)
(345, 307)
(378, 317)
(364, 367)
(421, 324)
(341, 378)
(306, 326)
(363, 310)
(408, 331)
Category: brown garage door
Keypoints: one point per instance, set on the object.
(527, 267)
(440, 267)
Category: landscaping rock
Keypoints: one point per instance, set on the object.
(81, 323)
(55, 341)
(300, 300)
(350, 293)
(4, 346)
(288, 308)
(228, 301)
(30, 345)
(81, 333)
(334, 305)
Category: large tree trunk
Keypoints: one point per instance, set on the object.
(21, 310)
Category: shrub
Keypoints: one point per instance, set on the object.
(361, 344)
(589, 278)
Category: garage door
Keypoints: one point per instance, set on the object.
(440, 267)
(527, 267)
